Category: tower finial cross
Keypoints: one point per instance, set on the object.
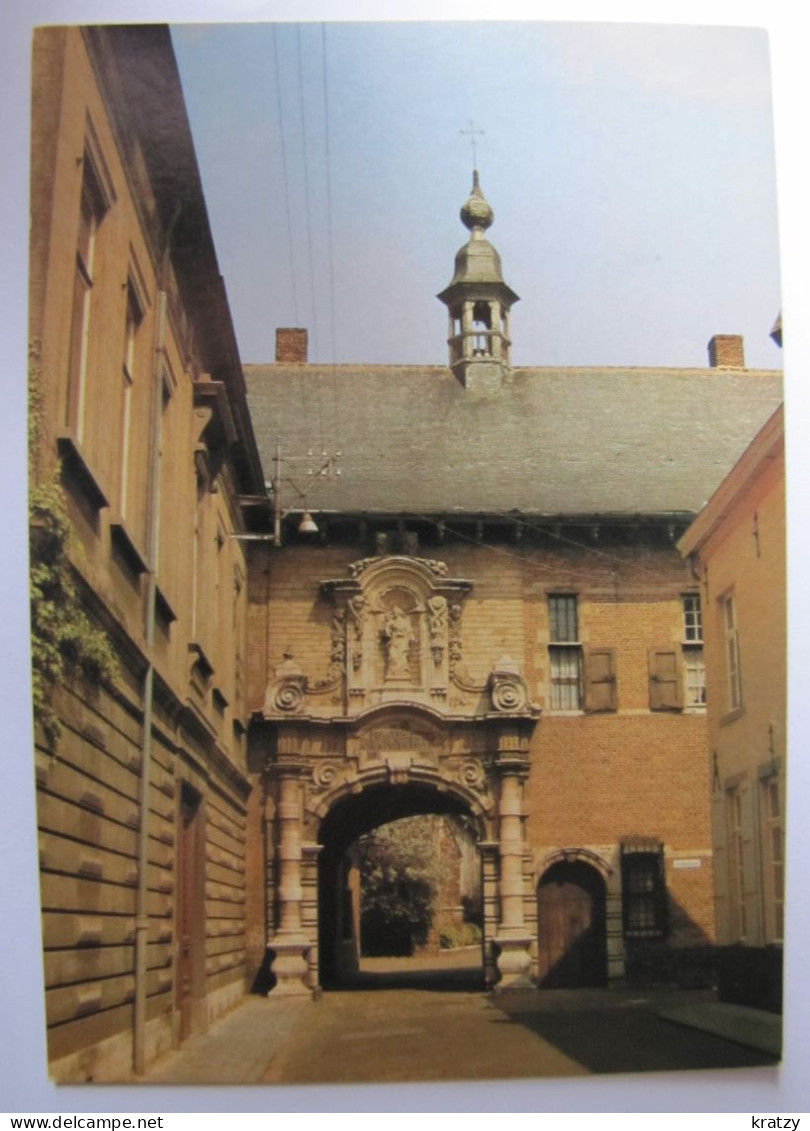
(472, 131)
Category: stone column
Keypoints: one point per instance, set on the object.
(467, 343)
(513, 939)
(290, 944)
(488, 850)
(309, 908)
(495, 328)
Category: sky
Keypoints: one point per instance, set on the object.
(630, 169)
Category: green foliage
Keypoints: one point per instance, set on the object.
(64, 641)
(463, 934)
(398, 887)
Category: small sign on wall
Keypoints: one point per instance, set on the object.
(686, 863)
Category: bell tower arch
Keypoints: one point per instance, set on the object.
(478, 302)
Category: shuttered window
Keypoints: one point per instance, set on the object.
(600, 679)
(665, 679)
(565, 653)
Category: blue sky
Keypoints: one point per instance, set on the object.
(630, 168)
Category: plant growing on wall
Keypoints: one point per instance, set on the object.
(64, 641)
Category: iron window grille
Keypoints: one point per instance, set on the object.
(644, 896)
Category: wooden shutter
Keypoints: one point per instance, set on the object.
(600, 679)
(665, 679)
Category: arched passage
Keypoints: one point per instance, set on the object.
(350, 818)
(571, 926)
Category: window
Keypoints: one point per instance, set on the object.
(644, 897)
(736, 860)
(774, 855)
(732, 652)
(565, 654)
(132, 323)
(692, 619)
(694, 678)
(694, 669)
(91, 212)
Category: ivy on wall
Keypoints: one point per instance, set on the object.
(64, 640)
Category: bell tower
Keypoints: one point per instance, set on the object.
(478, 302)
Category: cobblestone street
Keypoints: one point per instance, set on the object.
(406, 1023)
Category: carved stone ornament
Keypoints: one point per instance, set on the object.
(473, 775)
(288, 695)
(325, 775)
(507, 689)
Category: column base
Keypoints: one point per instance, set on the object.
(290, 966)
(514, 963)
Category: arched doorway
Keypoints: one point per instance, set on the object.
(571, 926)
(338, 885)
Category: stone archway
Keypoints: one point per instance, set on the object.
(395, 715)
(350, 818)
(327, 786)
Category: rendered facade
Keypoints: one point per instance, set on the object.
(737, 549)
(141, 424)
(491, 621)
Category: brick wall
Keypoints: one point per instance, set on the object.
(596, 779)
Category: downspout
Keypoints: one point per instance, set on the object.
(152, 532)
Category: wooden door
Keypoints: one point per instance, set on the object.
(571, 928)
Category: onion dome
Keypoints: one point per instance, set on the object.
(476, 212)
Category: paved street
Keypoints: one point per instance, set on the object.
(407, 1024)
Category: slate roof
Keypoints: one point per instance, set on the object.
(601, 441)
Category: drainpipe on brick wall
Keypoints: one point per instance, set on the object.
(152, 532)
(141, 909)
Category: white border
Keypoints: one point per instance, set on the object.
(22, 1085)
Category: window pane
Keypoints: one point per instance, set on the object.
(692, 621)
(695, 678)
(563, 618)
(643, 893)
(565, 679)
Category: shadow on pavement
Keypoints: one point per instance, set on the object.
(628, 1038)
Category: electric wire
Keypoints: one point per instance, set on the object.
(288, 213)
(286, 177)
(308, 214)
(502, 551)
(329, 238)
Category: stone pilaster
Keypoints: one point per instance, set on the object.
(309, 908)
(514, 938)
(290, 942)
(488, 850)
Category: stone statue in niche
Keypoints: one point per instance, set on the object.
(397, 636)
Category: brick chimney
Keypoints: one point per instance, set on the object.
(291, 345)
(726, 352)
